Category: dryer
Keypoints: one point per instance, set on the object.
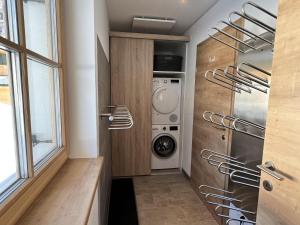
(166, 100)
(165, 147)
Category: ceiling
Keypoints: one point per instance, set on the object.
(185, 12)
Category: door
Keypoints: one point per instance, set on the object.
(165, 100)
(210, 97)
(281, 206)
(164, 146)
(131, 85)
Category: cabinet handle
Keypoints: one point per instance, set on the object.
(269, 168)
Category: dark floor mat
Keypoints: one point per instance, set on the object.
(122, 210)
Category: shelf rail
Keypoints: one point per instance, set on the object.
(254, 41)
(236, 124)
(230, 166)
(241, 78)
(213, 197)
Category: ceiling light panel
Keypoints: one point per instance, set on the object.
(152, 25)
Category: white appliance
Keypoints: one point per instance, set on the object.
(166, 100)
(165, 146)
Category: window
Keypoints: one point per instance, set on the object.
(8, 20)
(44, 109)
(1, 16)
(3, 61)
(3, 21)
(30, 104)
(9, 160)
(40, 27)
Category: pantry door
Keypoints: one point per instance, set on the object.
(281, 205)
(131, 85)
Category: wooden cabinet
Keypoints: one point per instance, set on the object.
(104, 98)
(94, 217)
(131, 85)
(281, 206)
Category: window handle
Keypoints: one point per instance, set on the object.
(269, 168)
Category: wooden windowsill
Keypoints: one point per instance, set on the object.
(68, 198)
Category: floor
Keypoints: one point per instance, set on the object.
(169, 200)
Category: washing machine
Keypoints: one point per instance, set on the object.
(165, 146)
(166, 100)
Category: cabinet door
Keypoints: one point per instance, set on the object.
(131, 83)
(210, 97)
(281, 206)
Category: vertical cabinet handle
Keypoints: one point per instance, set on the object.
(269, 168)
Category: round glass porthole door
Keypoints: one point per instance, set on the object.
(165, 100)
(164, 146)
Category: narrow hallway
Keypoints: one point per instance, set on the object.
(149, 112)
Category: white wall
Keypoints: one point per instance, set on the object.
(199, 33)
(102, 25)
(83, 21)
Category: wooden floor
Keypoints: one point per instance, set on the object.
(169, 200)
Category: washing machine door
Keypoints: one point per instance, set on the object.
(164, 146)
(165, 100)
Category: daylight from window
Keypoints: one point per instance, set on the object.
(42, 79)
(8, 145)
(8, 160)
(42, 103)
(8, 148)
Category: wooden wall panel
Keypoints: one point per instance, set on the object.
(131, 83)
(210, 97)
(282, 205)
(104, 99)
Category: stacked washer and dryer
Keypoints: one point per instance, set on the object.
(166, 110)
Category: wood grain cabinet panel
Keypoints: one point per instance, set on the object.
(210, 97)
(281, 206)
(104, 98)
(131, 85)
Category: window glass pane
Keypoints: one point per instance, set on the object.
(3, 20)
(40, 27)
(9, 170)
(44, 109)
(8, 24)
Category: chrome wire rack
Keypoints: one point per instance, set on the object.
(120, 118)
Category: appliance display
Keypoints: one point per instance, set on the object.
(166, 101)
(165, 146)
